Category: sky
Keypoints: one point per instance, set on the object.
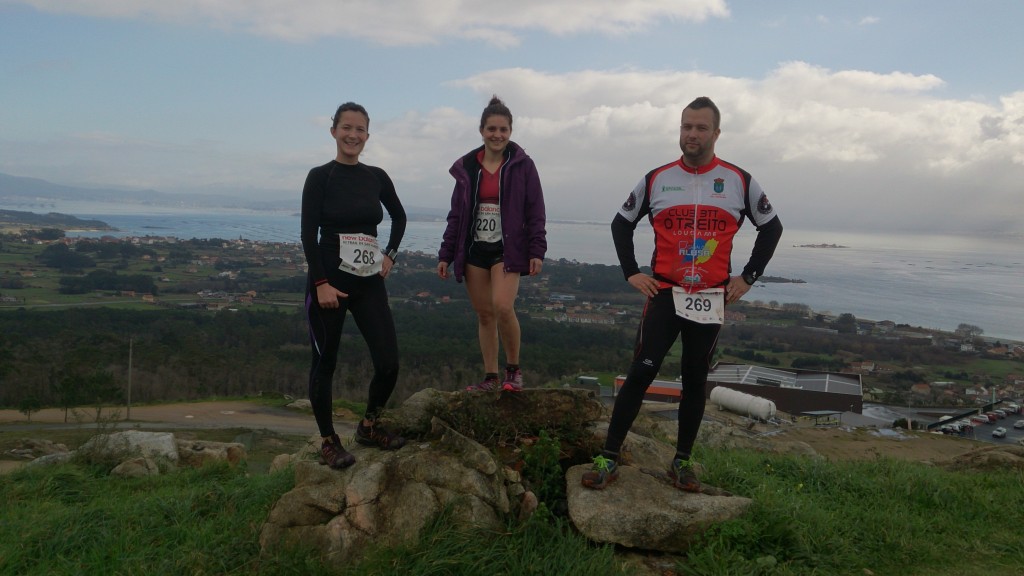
(871, 116)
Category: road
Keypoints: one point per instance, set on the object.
(227, 414)
(981, 433)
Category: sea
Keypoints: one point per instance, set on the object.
(936, 282)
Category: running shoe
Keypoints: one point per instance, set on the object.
(487, 385)
(513, 380)
(333, 454)
(378, 436)
(604, 472)
(682, 476)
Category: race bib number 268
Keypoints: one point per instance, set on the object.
(360, 254)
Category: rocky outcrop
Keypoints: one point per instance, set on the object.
(717, 435)
(387, 497)
(139, 453)
(195, 453)
(463, 456)
(30, 448)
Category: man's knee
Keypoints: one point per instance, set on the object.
(644, 370)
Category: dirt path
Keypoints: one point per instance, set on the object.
(177, 417)
(835, 443)
(847, 443)
(228, 414)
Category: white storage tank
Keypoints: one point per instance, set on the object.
(743, 403)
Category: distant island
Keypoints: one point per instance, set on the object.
(51, 220)
(819, 246)
(781, 280)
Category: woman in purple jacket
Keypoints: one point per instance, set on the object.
(495, 234)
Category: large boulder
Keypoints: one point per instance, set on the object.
(642, 510)
(157, 446)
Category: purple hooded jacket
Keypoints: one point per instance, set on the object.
(522, 212)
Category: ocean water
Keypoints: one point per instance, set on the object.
(930, 281)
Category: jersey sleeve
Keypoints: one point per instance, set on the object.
(624, 224)
(769, 230)
(761, 209)
(637, 204)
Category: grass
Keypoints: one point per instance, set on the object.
(887, 516)
(72, 520)
(542, 546)
(809, 518)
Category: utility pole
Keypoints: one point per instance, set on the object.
(129, 416)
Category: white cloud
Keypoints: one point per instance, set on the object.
(842, 149)
(836, 149)
(402, 22)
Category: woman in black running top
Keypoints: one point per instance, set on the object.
(341, 203)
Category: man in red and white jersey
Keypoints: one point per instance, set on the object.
(696, 206)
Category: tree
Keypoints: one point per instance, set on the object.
(60, 256)
(968, 331)
(846, 323)
(28, 405)
(68, 390)
(99, 388)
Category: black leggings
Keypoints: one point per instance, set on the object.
(659, 328)
(368, 302)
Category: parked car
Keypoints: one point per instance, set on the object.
(979, 420)
(999, 432)
(1000, 413)
(1018, 424)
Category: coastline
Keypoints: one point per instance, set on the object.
(932, 282)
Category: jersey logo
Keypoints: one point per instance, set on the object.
(763, 205)
(630, 203)
(699, 252)
(719, 185)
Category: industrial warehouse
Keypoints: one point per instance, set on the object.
(792, 391)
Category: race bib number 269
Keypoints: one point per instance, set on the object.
(704, 307)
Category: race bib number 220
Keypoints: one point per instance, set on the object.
(487, 225)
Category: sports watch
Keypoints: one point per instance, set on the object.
(749, 278)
